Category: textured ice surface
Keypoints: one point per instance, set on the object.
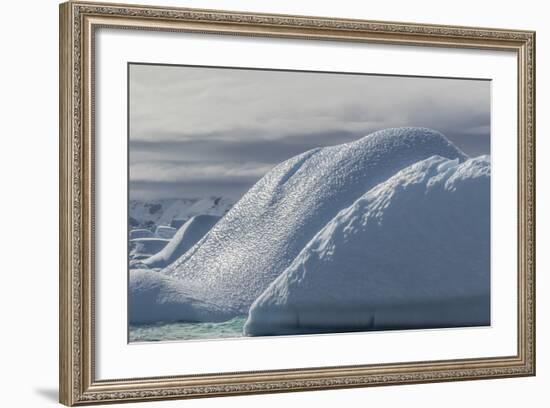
(187, 236)
(262, 234)
(154, 297)
(413, 252)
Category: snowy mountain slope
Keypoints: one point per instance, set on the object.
(261, 235)
(412, 252)
(187, 236)
(152, 213)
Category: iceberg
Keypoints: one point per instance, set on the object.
(154, 297)
(185, 237)
(263, 233)
(141, 248)
(412, 252)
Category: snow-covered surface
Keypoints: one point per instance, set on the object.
(263, 233)
(151, 213)
(164, 231)
(154, 297)
(141, 248)
(187, 236)
(413, 252)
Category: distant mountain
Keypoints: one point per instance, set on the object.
(263, 233)
(174, 212)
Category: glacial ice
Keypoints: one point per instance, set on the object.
(413, 252)
(154, 297)
(141, 248)
(262, 234)
(185, 237)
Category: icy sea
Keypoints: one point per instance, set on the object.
(186, 331)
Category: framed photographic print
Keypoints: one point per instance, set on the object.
(262, 203)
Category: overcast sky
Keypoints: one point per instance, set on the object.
(198, 132)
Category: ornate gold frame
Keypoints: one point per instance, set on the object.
(78, 20)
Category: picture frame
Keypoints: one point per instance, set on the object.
(80, 23)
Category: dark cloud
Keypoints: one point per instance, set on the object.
(198, 131)
(258, 150)
(143, 190)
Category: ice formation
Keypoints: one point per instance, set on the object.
(141, 248)
(187, 236)
(264, 232)
(413, 252)
(154, 297)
